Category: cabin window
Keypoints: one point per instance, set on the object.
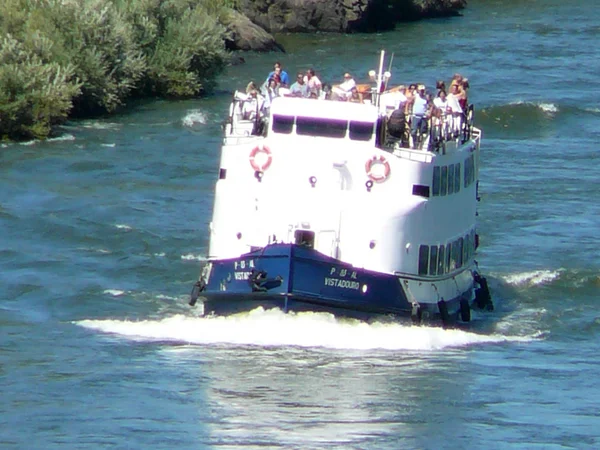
(457, 177)
(305, 238)
(451, 179)
(436, 181)
(361, 131)
(421, 190)
(444, 183)
(466, 255)
(449, 267)
(283, 124)
(310, 126)
(459, 253)
(433, 260)
(441, 260)
(467, 171)
(423, 259)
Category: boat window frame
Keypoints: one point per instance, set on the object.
(435, 184)
(444, 181)
(359, 123)
(321, 127)
(433, 260)
(423, 263)
(450, 179)
(276, 118)
(441, 259)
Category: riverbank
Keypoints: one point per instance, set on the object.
(65, 59)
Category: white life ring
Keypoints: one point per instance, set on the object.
(378, 169)
(260, 158)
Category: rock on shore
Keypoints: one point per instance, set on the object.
(250, 30)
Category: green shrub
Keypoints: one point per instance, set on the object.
(189, 55)
(34, 93)
(86, 57)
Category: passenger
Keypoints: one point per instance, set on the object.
(410, 98)
(299, 88)
(271, 91)
(251, 87)
(454, 109)
(438, 117)
(313, 83)
(441, 102)
(462, 92)
(278, 69)
(343, 90)
(355, 96)
(419, 117)
(252, 106)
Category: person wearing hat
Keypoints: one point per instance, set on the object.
(343, 91)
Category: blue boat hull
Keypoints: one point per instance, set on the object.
(296, 278)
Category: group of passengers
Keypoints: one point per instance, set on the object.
(415, 110)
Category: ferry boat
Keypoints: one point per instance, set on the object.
(318, 207)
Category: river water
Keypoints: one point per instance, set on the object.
(103, 229)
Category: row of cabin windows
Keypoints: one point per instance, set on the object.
(445, 258)
(447, 180)
(331, 128)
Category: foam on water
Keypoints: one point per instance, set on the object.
(194, 118)
(191, 257)
(114, 292)
(532, 278)
(275, 328)
(548, 108)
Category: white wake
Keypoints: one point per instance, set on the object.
(275, 328)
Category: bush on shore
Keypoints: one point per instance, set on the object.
(74, 58)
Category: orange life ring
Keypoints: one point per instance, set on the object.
(378, 175)
(260, 158)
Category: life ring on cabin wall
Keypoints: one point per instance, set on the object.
(260, 158)
(378, 169)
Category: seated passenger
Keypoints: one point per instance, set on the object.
(343, 90)
(252, 106)
(299, 88)
(355, 96)
(278, 69)
(313, 83)
(271, 91)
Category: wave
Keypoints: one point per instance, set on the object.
(274, 328)
(94, 125)
(194, 118)
(114, 292)
(192, 257)
(532, 278)
(561, 278)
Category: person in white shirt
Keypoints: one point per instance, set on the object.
(343, 91)
(252, 106)
(299, 88)
(454, 109)
(313, 84)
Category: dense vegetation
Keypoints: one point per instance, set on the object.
(61, 58)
